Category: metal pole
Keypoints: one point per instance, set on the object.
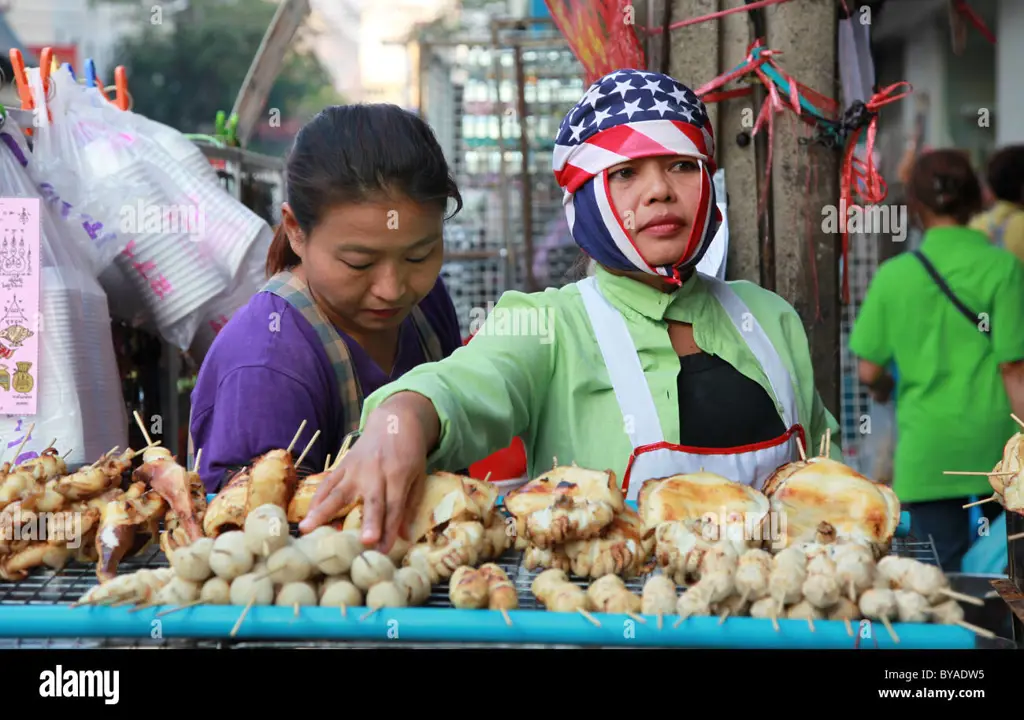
(524, 149)
(506, 229)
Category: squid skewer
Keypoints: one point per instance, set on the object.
(659, 597)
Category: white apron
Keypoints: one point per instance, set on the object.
(652, 456)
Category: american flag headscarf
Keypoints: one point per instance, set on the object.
(626, 115)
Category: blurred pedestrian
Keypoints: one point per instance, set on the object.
(1003, 222)
(951, 317)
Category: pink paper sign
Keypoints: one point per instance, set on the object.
(20, 323)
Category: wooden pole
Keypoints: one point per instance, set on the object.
(805, 33)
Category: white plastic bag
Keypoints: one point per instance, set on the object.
(80, 400)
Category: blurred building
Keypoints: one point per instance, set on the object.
(75, 29)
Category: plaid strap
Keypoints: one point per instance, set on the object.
(288, 287)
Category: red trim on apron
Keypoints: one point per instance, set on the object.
(738, 450)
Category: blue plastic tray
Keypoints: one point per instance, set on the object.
(445, 625)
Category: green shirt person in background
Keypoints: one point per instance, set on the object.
(960, 370)
(646, 368)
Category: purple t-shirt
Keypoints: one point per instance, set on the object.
(267, 371)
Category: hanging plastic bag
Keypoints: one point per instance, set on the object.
(250, 278)
(80, 400)
(158, 255)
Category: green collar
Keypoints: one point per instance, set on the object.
(635, 299)
(953, 235)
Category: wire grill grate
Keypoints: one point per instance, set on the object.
(65, 586)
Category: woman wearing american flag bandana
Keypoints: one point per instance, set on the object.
(648, 368)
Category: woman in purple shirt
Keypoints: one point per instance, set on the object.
(353, 301)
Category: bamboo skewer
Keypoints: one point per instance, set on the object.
(142, 450)
(308, 446)
(238, 625)
(180, 607)
(978, 473)
(327, 462)
(296, 609)
(504, 614)
(366, 615)
(24, 440)
(344, 611)
(1017, 420)
(889, 629)
(661, 621)
(593, 620)
(962, 598)
(142, 427)
(828, 442)
(105, 455)
(636, 617)
(800, 447)
(65, 455)
(298, 434)
(981, 502)
(810, 623)
(1016, 536)
(975, 629)
(849, 626)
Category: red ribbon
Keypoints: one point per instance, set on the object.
(772, 106)
(974, 19)
(860, 181)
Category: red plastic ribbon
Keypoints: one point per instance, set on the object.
(974, 19)
(772, 106)
(860, 181)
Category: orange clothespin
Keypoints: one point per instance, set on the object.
(121, 85)
(21, 80)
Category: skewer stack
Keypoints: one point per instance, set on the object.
(264, 565)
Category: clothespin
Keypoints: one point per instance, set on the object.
(71, 70)
(121, 86)
(90, 74)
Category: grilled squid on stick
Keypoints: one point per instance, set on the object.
(766, 609)
(855, 569)
(821, 588)
(880, 604)
(753, 572)
(557, 594)
(695, 601)
(609, 594)
(912, 607)
(924, 579)
(805, 610)
(467, 588)
(786, 581)
(847, 611)
(659, 597)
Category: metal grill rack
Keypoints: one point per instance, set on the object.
(64, 587)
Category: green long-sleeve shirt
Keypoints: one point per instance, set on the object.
(535, 370)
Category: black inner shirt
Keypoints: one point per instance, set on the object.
(720, 407)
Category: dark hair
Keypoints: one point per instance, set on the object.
(944, 182)
(1005, 174)
(352, 153)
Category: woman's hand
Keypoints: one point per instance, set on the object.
(380, 469)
